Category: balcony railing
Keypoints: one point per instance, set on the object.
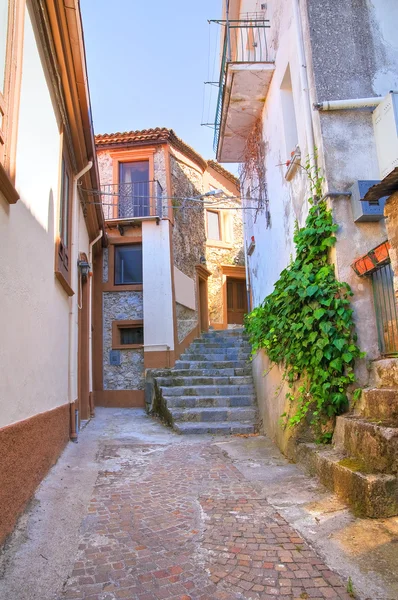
(245, 41)
(133, 200)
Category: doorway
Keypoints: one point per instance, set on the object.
(236, 301)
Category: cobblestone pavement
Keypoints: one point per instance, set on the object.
(180, 522)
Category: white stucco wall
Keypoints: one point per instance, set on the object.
(158, 300)
(34, 315)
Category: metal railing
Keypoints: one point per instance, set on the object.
(132, 200)
(245, 41)
(386, 309)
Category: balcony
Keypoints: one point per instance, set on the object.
(139, 200)
(245, 77)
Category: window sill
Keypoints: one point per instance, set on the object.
(109, 287)
(128, 347)
(64, 283)
(219, 244)
(7, 187)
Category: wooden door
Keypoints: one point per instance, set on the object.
(236, 300)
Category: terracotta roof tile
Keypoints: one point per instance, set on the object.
(160, 135)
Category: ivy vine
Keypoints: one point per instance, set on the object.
(307, 324)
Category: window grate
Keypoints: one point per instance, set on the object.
(386, 309)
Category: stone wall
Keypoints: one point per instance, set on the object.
(391, 213)
(129, 375)
(105, 165)
(187, 319)
(189, 236)
(231, 254)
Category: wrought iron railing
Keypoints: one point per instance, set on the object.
(245, 41)
(133, 200)
(386, 309)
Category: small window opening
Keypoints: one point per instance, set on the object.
(289, 114)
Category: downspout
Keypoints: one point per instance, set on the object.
(246, 260)
(348, 104)
(309, 132)
(90, 320)
(73, 302)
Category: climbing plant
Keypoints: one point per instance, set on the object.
(306, 323)
(252, 171)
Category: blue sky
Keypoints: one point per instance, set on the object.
(147, 62)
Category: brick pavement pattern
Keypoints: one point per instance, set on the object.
(180, 522)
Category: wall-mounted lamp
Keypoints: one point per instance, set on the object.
(84, 268)
(202, 260)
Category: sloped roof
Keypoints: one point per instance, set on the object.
(160, 135)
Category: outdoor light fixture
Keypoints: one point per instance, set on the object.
(202, 260)
(84, 268)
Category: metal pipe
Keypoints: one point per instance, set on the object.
(348, 104)
(90, 315)
(335, 195)
(73, 300)
(309, 131)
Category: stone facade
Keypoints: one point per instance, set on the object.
(189, 235)
(231, 254)
(187, 319)
(129, 375)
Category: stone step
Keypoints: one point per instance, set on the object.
(374, 444)
(214, 356)
(234, 343)
(188, 428)
(215, 415)
(369, 494)
(226, 372)
(217, 348)
(208, 390)
(384, 373)
(378, 404)
(211, 364)
(173, 380)
(210, 401)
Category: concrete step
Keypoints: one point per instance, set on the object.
(226, 372)
(213, 428)
(378, 404)
(208, 390)
(209, 401)
(215, 356)
(231, 345)
(214, 415)
(369, 494)
(374, 444)
(384, 373)
(213, 364)
(172, 380)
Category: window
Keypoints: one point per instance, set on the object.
(128, 264)
(131, 335)
(62, 269)
(213, 225)
(289, 114)
(127, 335)
(134, 189)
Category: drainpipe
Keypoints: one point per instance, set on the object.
(348, 104)
(73, 301)
(309, 132)
(90, 319)
(246, 259)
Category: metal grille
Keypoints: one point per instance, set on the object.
(386, 309)
(132, 200)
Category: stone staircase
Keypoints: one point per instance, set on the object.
(362, 464)
(210, 388)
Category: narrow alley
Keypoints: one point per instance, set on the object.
(136, 511)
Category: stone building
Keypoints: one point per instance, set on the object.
(174, 262)
(49, 234)
(298, 76)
